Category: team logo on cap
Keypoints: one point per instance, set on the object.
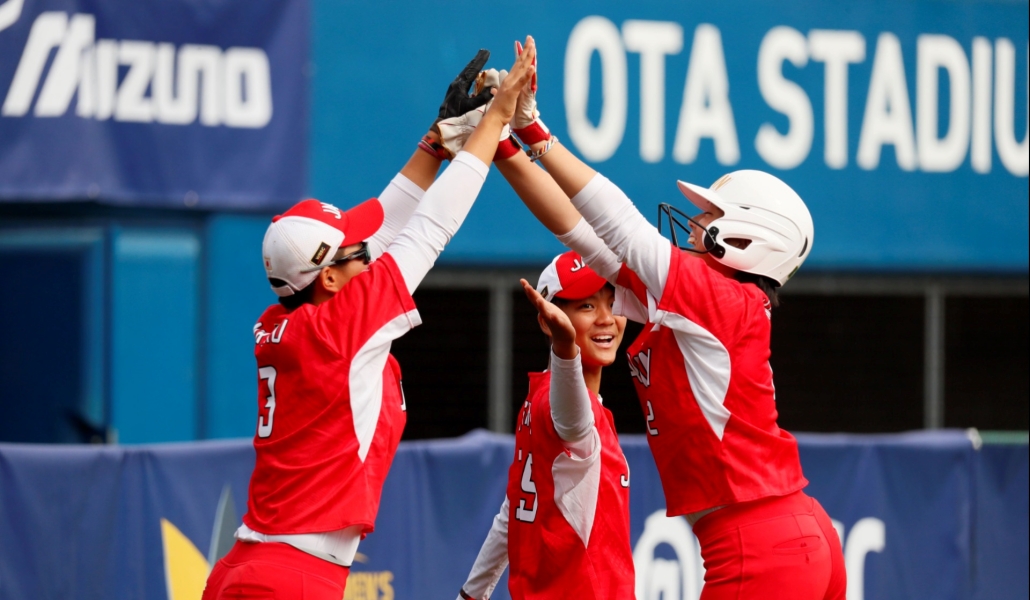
(577, 264)
(319, 255)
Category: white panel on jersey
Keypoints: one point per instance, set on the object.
(366, 378)
(576, 485)
(708, 367)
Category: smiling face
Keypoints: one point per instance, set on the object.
(598, 331)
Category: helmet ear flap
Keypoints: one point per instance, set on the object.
(712, 245)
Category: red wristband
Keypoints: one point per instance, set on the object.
(465, 595)
(507, 148)
(433, 148)
(533, 133)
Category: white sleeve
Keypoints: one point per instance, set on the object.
(570, 404)
(398, 200)
(439, 215)
(625, 231)
(598, 257)
(492, 559)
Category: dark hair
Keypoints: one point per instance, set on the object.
(765, 284)
(298, 298)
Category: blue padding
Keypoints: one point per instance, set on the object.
(925, 515)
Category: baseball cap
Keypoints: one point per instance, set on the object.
(569, 277)
(302, 240)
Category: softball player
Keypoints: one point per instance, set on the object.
(701, 364)
(330, 404)
(564, 523)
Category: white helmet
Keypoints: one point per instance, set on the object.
(763, 211)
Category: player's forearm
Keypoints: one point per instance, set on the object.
(440, 213)
(570, 173)
(626, 232)
(570, 401)
(598, 257)
(540, 193)
(483, 142)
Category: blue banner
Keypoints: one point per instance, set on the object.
(903, 125)
(921, 515)
(189, 104)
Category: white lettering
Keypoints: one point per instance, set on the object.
(867, 535)
(132, 104)
(980, 144)
(232, 89)
(706, 110)
(888, 115)
(47, 32)
(937, 154)
(837, 50)
(106, 55)
(66, 72)
(653, 40)
(1014, 155)
(784, 151)
(9, 13)
(664, 579)
(248, 88)
(589, 35)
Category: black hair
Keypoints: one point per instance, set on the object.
(766, 284)
(298, 299)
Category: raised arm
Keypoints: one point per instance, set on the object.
(609, 212)
(449, 199)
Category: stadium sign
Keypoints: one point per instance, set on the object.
(181, 104)
(706, 109)
(231, 87)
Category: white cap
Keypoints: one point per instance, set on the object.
(302, 240)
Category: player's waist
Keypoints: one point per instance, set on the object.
(337, 547)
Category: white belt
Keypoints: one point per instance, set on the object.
(337, 547)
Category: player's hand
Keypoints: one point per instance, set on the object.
(563, 334)
(457, 100)
(526, 123)
(505, 100)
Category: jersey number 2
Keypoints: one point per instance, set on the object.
(265, 427)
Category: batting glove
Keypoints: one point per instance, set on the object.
(455, 131)
(526, 123)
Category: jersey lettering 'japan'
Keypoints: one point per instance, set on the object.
(557, 545)
(330, 406)
(701, 369)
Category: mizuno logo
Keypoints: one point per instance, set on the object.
(163, 83)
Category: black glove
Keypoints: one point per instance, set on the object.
(457, 100)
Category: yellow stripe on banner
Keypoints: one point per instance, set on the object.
(186, 568)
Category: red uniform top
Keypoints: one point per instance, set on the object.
(702, 373)
(556, 546)
(330, 406)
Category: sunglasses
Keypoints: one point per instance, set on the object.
(361, 253)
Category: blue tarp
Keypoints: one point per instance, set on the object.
(924, 515)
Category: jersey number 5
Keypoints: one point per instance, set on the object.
(265, 427)
(521, 512)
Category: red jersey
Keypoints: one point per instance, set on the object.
(568, 525)
(330, 406)
(702, 373)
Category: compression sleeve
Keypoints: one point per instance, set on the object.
(598, 257)
(442, 210)
(625, 231)
(399, 200)
(570, 404)
(492, 559)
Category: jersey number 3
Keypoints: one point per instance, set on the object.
(265, 427)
